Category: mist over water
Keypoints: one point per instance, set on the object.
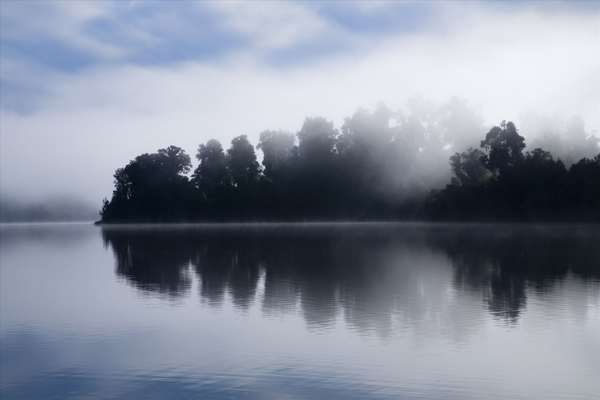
(317, 310)
(61, 209)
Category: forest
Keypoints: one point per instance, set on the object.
(432, 163)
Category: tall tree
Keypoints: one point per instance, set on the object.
(242, 161)
(367, 162)
(212, 171)
(366, 131)
(277, 148)
(316, 140)
(504, 146)
(174, 161)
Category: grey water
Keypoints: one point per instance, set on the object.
(349, 311)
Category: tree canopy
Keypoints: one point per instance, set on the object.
(152, 186)
(212, 171)
(504, 147)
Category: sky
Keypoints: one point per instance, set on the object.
(85, 87)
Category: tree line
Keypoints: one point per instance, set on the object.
(380, 165)
(501, 183)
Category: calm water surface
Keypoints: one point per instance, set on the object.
(403, 311)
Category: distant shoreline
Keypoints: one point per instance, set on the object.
(346, 223)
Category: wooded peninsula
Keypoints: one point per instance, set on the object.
(431, 164)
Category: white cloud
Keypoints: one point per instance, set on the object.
(272, 25)
(61, 21)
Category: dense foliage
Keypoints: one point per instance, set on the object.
(506, 185)
(371, 169)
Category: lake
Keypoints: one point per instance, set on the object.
(292, 311)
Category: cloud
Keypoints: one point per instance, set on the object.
(56, 22)
(272, 25)
(70, 37)
(66, 131)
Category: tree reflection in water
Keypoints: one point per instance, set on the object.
(372, 275)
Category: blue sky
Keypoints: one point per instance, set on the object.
(77, 77)
(163, 33)
(70, 36)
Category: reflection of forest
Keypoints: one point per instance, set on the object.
(502, 263)
(371, 275)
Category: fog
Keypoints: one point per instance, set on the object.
(48, 209)
(93, 100)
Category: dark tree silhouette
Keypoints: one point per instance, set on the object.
(504, 146)
(243, 166)
(584, 190)
(316, 140)
(152, 187)
(212, 171)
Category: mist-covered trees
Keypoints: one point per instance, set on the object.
(504, 147)
(278, 149)
(468, 166)
(564, 138)
(380, 165)
(517, 186)
(366, 147)
(317, 140)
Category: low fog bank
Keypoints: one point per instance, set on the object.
(58, 209)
